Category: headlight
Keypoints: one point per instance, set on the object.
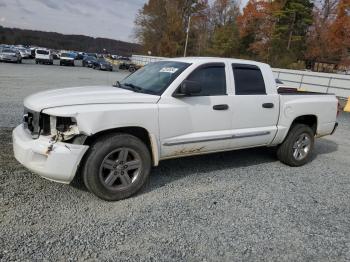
(59, 128)
(63, 124)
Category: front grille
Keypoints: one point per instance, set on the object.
(44, 123)
(31, 121)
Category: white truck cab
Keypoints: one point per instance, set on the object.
(168, 109)
(43, 56)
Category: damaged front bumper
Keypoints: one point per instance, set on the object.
(54, 161)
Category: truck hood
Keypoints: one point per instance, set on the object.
(84, 96)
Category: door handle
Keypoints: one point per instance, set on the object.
(220, 107)
(268, 105)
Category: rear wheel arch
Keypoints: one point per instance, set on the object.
(308, 120)
(297, 148)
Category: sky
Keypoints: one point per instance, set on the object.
(97, 18)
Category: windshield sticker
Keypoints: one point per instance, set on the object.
(170, 70)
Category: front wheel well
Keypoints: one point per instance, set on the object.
(309, 120)
(136, 131)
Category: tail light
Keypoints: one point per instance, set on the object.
(338, 108)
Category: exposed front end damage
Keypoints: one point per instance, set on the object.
(52, 159)
(48, 145)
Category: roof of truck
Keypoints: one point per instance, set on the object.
(198, 59)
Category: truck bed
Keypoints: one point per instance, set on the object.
(294, 91)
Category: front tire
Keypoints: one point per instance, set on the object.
(297, 148)
(116, 166)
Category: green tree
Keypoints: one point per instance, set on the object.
(256, 24)
(291, 27)
(161, 25)
(224, 39)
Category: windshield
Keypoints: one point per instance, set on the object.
(155, 77)
(42, 52)
(67, 55)
(90, 58)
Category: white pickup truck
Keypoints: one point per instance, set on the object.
(113, 135)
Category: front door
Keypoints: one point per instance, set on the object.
(197, 123)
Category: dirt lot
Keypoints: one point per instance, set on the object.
(242, 205)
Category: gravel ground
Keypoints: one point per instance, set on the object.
(241, 205)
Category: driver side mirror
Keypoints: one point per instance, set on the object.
(188, 88)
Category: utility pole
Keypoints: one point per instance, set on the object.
(187, 32)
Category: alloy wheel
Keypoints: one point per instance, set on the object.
(120, 168)
(302, 146)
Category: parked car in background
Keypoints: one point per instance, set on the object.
(74, 54)
(92, 54)
(10, 55)
(88, 61)
(55, 55)
(2, 46)
(131, 67)
(43, 56)
(102, 64)
(67, 59)
(32, 51)
(24, 52)
(124, 58)
(80, 56)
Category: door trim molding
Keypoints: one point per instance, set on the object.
(236, 136)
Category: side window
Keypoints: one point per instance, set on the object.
(248, 80)
(212, 79)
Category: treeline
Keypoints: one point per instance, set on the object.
(14, 36)
(283, 33)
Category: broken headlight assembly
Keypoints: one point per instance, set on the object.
(59, 128)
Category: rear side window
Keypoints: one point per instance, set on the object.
(248, 80)
(211, 78)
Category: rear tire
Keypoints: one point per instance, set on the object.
(297, 148)
(116, 166)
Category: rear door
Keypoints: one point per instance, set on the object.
(254, 112)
